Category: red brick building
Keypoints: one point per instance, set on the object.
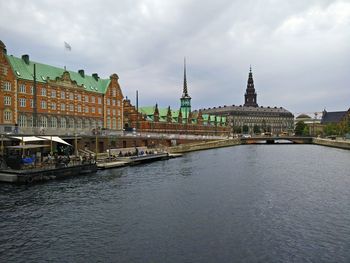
(39, 98)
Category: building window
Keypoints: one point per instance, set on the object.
(43, 104)
(22, 88)
(108, 124)
(86, 98)
(63, 106)
(71, 107)
(71, 123)
(53, 122)
(71, 96)
(7, 115)
(79, 124)
(22, 102)
(114, 123)
(32, 103)
(53, 106)
(99, 110)
(43, 121)
(108, 102)
(114, 112)
(43, 91)
(22, 121)
(79, 97)
(93, 110)
(118, 102)
(30, 122)
(53, 93)
(113, 102)
(86, 124)
(7, 100)
(93, 99)
(100, 124)
(86, 109)
(7, 86)
(108, 112)
(63, 95)
(63, 123)
(114, 92)
(79, 108)
(31, 90)
(99, 100)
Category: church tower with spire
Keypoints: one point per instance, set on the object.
(185, 99)
(250, 94)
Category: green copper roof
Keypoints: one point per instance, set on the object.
(26, 72)
(149, 110)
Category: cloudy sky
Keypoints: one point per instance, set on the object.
(299, 50)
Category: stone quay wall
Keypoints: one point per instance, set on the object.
(343, 144)
(190, 147)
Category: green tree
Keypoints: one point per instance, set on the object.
(330, 129)
(299, 128)
(306, 131)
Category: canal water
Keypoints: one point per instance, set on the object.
(266, 203)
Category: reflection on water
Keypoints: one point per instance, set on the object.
(268, 203)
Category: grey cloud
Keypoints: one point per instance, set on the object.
(298, 49)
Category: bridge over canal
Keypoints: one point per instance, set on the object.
(276, 139)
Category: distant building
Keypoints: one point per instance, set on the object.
(40, 98)
(250, 118)
(312, 120)
(333, 117)
(340, 120)
(167, 120)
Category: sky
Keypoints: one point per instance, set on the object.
(299, 50)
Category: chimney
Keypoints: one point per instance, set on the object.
(95, 76)
(26, 58)
(81, 73)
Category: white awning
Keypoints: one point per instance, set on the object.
(55, 139)
(27, 146)
(28, 138)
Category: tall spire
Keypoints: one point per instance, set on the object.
(250, 94)
(185, 92)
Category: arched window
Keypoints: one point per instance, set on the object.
(108, 124)
(22, 121)
(71, 123)
(86, 123)
(53, 122)
(43, 121)
(119, 124)
(30, 122)
(63, 123)
(79, 124)
(93, 124)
